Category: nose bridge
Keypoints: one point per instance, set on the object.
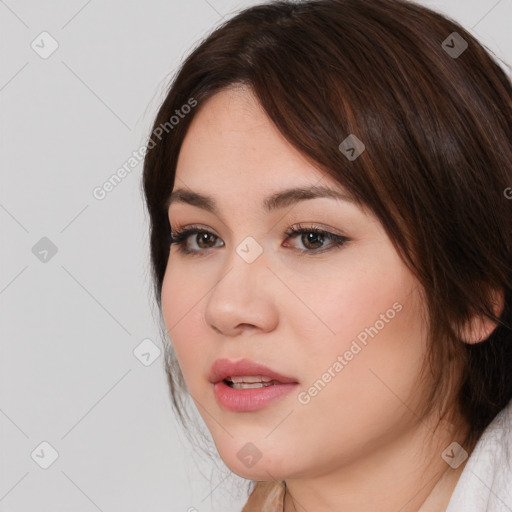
(249, 250)
(246, 262)
(241, 295)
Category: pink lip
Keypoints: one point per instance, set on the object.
(223, 368)
(246, 400)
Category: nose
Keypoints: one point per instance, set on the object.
(243, 298)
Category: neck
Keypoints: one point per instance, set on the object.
(408, 475)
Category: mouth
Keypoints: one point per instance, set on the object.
(249, 382)
(246, 386)
(246, 371)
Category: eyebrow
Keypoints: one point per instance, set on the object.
(273, 202)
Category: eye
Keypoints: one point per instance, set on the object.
(313, 239)
(202, 238)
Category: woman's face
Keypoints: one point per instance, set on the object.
(343, 322)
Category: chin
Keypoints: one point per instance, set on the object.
(254, 460)
(259, 472)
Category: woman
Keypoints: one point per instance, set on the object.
(331, 251)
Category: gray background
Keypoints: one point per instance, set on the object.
(70, 321)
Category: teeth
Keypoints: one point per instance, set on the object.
(242, 385)
(249, 380)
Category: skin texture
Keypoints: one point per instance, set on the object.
(358, 445)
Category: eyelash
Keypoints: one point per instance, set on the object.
(180, 236)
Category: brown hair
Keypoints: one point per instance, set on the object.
(437, 128)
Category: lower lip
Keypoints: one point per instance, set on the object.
(246, 400)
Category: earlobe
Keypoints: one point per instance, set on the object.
(480, 327)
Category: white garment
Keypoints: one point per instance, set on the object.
(485, 484)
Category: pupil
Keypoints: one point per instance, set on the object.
(203, 238)
(311, 236)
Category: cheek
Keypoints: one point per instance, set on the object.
(372, 318)
(346, 298)
(367, 397)
(181, 310)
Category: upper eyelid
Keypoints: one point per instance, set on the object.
(291, 226)
(293, 231)
(188, 230)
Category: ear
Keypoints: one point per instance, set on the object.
(480, 327)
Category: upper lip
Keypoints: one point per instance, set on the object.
(224, 368)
